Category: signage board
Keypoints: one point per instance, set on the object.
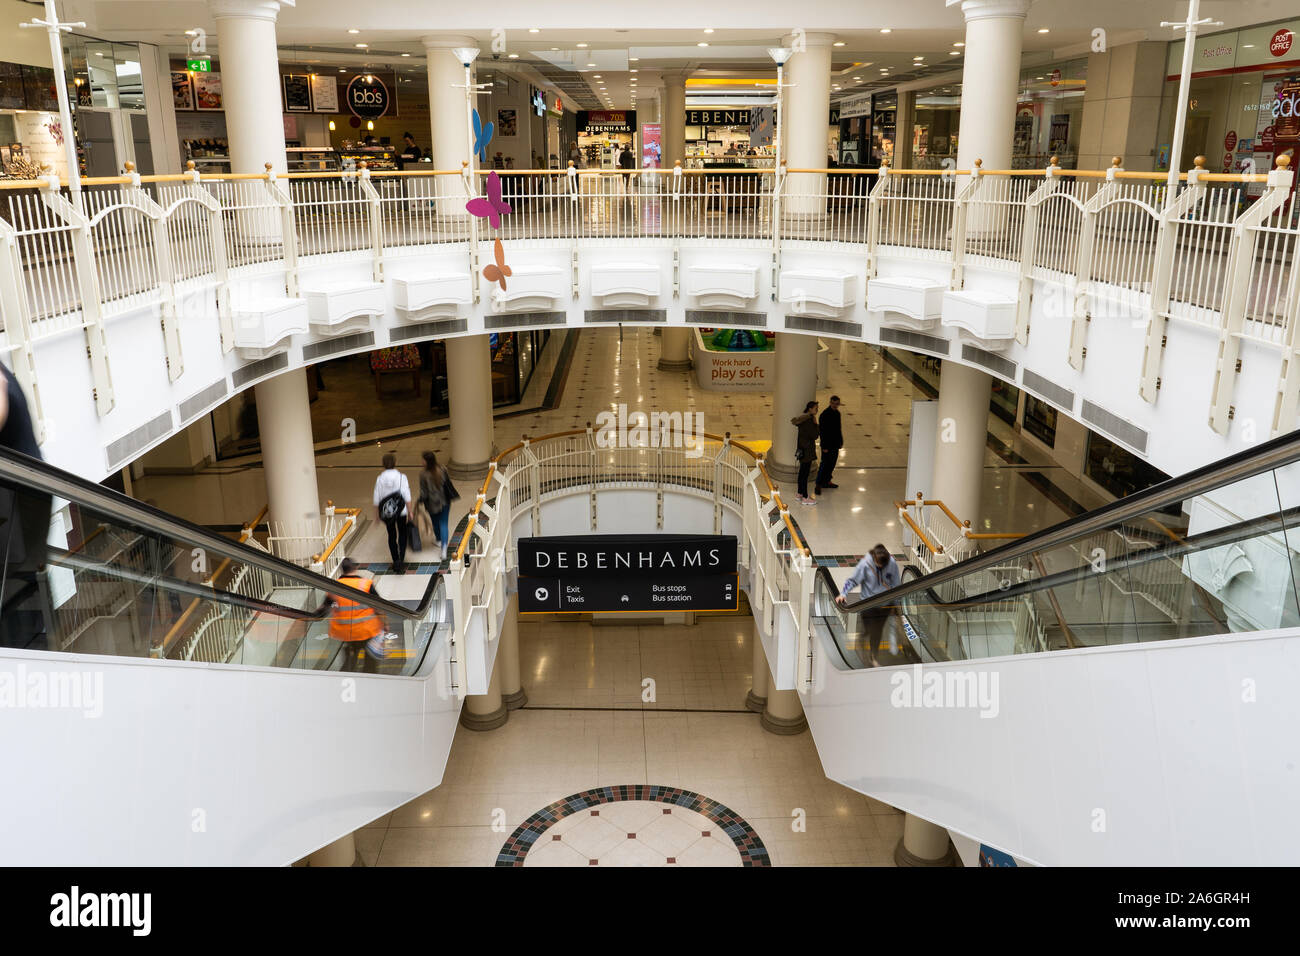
(640, 593)
(367, 97)
(199, 64)
(731, 117)
(606, 121)
(651, 145)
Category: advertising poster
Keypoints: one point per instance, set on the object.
(652, 151)
(324, 93)
(207, 91)
(507, 123)
(297, 93)
(182, 92)
(761, 125)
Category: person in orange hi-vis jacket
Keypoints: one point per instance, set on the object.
(359, 627)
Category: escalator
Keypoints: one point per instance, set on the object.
(1106, 690)
(176, 698)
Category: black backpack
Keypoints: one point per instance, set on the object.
(392, 506)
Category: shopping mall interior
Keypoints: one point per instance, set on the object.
(495, 439)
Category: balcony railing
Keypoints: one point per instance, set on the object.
(1219, 253)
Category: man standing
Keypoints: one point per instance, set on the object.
(24, 527)
(876, 572)
(393, 508)
(832, 439)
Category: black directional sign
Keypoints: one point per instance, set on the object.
(656, 594)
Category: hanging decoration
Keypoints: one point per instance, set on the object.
(497, 273)
(482, 136)
(493, 207)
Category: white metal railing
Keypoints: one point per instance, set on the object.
(1221, 253)
(727, 473)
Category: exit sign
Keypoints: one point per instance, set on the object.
(201, 65)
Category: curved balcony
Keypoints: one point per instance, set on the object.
(1163, 319)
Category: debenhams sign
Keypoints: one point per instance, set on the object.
(596, 554)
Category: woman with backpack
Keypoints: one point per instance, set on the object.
(393, 508)
(436, 495)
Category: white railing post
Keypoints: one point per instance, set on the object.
(220, 261)
(1241, 259)
(87, 280)
(471, 192)
(16, 310)
(874, 202)
(1285, 412)
(1028, 239)
(961, 205)
(1080, 314)
(279, 193)
(162, 249)
(375, 214)
(777, 188)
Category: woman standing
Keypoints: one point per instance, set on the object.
(806, 450)
(436, 495)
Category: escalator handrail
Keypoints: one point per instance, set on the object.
(1271, 455)
(34, 473)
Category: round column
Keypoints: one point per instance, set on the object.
(963, 433)
(250, 67)
(342, 852)
(448, 121)
(469, 392)
(924, 844)
(673, 118)
(756, 699)
(784, 713)
(675, 354)
(512, 685)
(806, 104)
(796, 386)
(990, 81)
(485, 711)
(289, 463)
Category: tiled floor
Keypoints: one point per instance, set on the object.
(634, 833)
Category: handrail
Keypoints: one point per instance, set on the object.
(1266, 457)
(32, 472)
(353, 514)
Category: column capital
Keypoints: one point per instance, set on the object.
(250, 9)
(808, 39)
(442, 42)
(990, 9)
(674, 76)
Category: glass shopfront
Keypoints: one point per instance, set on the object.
(602, 134)
(730, 136)
(1040, 420)
(1243, 108)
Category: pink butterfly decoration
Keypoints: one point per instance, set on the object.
(492, 208)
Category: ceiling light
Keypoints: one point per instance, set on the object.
(701, 44)
(362, 46)
(354, 31)
(514, 56)
(1043, 30)
(581, 45)
(466, 54)
(780, 54)
(406, 54)
(708, 29)
(591, 64)
(633, 59)
(534, 30)
(959, 43)
(954, 53)
(598, 76)
(838, 43)
(341, 70)
(886, 30)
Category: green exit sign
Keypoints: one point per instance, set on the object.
(201, 65)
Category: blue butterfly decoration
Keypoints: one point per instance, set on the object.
(482, 136)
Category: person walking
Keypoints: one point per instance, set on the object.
(875, 573)
(24, 527)
(434, 498)
(806, 448)
(393, 508)
(832, 440)
(358, 627)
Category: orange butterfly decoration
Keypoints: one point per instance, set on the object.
(498, 272)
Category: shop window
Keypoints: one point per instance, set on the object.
(1040, 420)
(1118, 470)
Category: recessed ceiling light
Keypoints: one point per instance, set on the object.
(633, 59)
(534, 30)
(701, 44)
(886, 30)
(1248, 46)
(954, 53)
(591, 64)
(341, 70)
(838, 43)
(406, 54)
(959, 43)
(632, 71)
(362, 46)
(581, 45)
(354, 31)
(1043, 30)
(708, 29)
(514, 56)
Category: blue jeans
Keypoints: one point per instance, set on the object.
(440, 526)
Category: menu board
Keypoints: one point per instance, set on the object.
(39, 88)
(297, 93)
(11, 87)
(324, 93)
(207, 91)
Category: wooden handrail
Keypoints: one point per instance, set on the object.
(916, 529)
(347, 526)
(1070, 639)
(993, 536)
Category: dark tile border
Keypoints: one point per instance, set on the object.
(752, 850)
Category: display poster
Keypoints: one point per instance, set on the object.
(39, 89)
(762, 125)
(207, 91)
(652, 151)
(324, 93)
(11, 87)
(507, 123)
(297, 93)
(182, 91)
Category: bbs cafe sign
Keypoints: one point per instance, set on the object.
(367, 97)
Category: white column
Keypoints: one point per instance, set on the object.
(756, 699)
(250, 80)
(512, 686)
(783, 713)
(796, 386)
(485, 711)
(447, 119)
(924, 844)
(289, 461)
(672, 116)
(675, 345)
(806, 103)
(469, 392)
(990, 81)
(959, 446)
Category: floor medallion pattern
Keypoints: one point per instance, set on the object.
(634, 825)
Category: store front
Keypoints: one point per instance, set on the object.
(730, 137)
(1243, 110)
(865, 130)
(602, 135)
